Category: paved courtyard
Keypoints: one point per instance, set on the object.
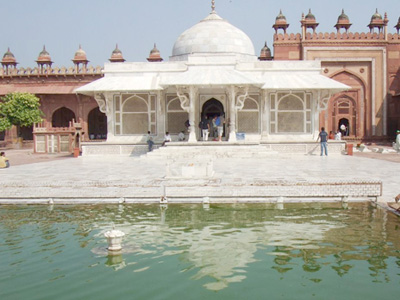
(46, 176)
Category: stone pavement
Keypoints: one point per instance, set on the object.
(19, 157)
(64, 179)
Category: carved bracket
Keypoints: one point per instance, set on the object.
(184, 99)
(241, 98)
(101, 101)
(323, 99)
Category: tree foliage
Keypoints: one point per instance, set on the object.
(19, 109)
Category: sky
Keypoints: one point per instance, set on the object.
(135, 25)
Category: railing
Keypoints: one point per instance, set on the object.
(49, 139)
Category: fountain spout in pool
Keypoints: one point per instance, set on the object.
(114, 240)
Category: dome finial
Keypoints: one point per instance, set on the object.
(213, 6)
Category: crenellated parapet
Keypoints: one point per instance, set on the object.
(378, 30)
(44, 68)
(287, 37)
(345, 36)
(395, 37)
(56, 71)
(350, 36)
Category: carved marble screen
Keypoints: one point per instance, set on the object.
(248, 116)
(290, 112)
(176, 116)
(134, 114)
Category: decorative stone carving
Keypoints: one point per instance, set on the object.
(241, 98)
(101, 101)
(184, 99)
(323, 99)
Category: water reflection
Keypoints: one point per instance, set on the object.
(219, 244)
(116, 262)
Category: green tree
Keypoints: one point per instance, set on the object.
(19, 109)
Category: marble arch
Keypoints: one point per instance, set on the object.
(62, 116)
(358, 105)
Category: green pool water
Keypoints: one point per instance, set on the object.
(253, 251)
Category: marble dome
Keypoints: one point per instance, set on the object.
(212, 35)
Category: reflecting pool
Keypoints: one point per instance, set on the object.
(220, 251)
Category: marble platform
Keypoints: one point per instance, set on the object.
(226, 149)
(133, 179)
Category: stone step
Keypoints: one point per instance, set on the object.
(186, 190)
(171, 152)
(205, 152)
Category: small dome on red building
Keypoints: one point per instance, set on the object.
(280, 18)
(280, 22)
(155, 55)
(265, 53)
(343, 18)
(9, 57)
(44, 56)
(376, 16)
(80, 56)
(310, 16)
(309, 21)
(377, 21)
(116, 55)
(343, 22)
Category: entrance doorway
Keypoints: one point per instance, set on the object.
(346, 129)
(27, 133)
(97, 124)
(344, 112)
(210, 109)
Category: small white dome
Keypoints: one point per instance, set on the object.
(212, 35)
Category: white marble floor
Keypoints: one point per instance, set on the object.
(72, 175)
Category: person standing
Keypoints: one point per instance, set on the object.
(396, 145)
(149, 141)
(214, 128)
(343, 129)
(205, 127)
(323, 137)
(4, 162)
(338, 135)
(220, 127)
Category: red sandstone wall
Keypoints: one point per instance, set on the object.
(386, 71)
